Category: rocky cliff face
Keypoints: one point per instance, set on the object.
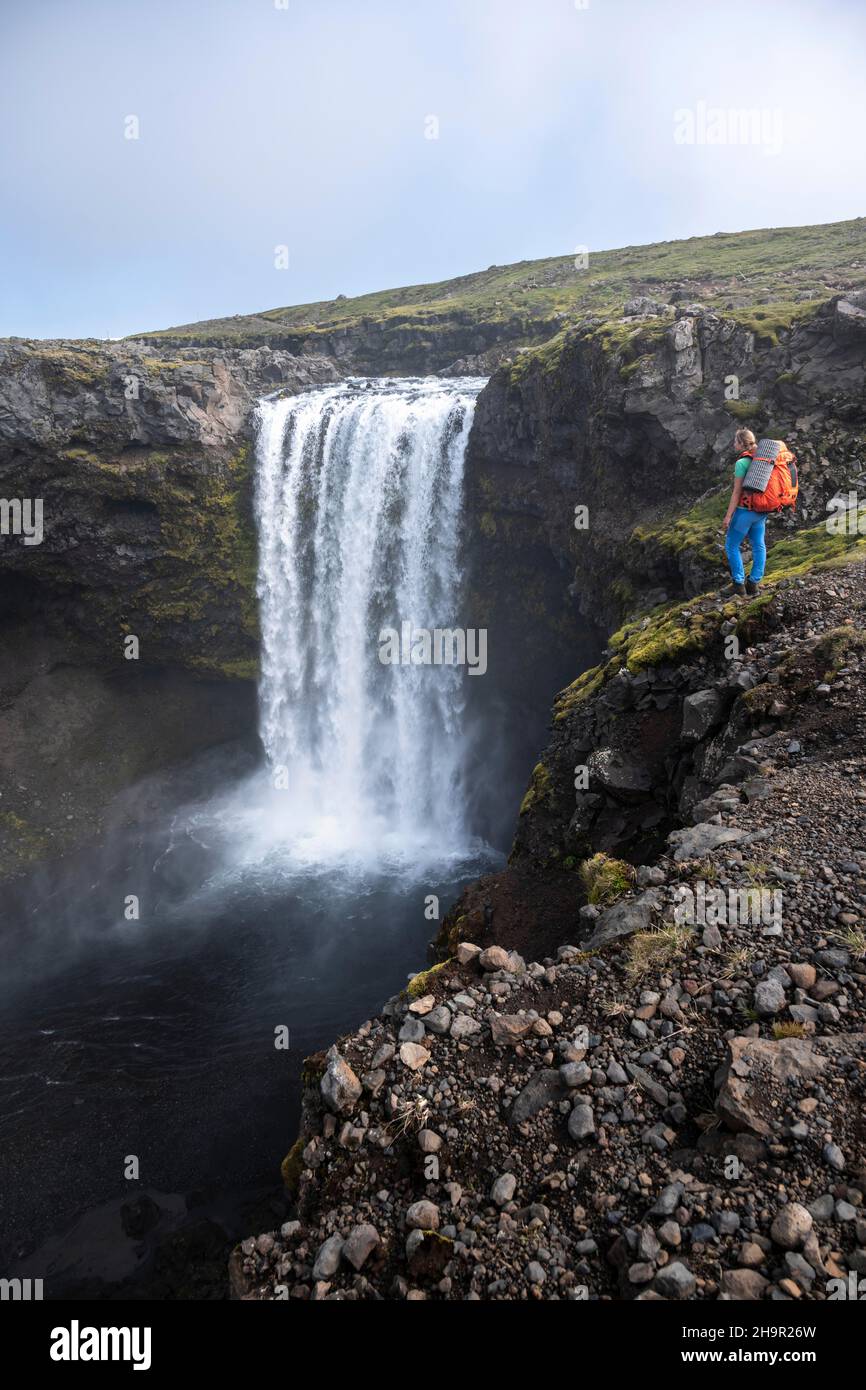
(655, 1095)
(141, 463)
(634, 419)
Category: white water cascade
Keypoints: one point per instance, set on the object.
(358, 506)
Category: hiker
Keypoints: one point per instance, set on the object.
(741, 522)
(765, 481)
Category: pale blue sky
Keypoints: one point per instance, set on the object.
(304, 125)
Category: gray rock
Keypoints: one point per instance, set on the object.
(439, 1020)
(701, 713)
(423, 1216)
(698, 840)
(360, 1243)
(340, 1087)
(327, 1260)
(575, 1074)
(581, 1123)
(791, 1226)
(668, 1200)
(412, 1030)
(464, 1026)
(834, 1157)
(503, 1189)
(769, 998)
(624, 918)
(541, 1090)
(675, 1281)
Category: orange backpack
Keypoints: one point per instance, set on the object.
(771, 482)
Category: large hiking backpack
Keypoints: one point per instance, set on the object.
(771, 482)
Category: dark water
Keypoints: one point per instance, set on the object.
(156, 1038)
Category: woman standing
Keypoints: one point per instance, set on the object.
(740, 522)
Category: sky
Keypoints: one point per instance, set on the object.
(165, 161)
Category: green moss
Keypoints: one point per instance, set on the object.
(697, 531)
(292, 1166)
(673, 634)
(767, 321)
(578, 692)
(74, 368)
(744, 410)
(539, 789)
(833, 647)
(78, 455)
(419, 985)
(812, 548)
(606, 879)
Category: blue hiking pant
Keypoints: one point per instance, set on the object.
(745, 523)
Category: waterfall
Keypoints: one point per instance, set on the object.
(358, 506)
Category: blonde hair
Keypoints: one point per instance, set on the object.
(744, 439)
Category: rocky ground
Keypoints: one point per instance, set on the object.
(669, 1105)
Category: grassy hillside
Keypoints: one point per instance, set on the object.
(761, 276)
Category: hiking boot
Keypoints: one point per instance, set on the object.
(739, 589)
(751, 586)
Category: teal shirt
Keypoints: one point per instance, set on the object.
(741, 467)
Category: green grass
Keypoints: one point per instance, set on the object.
(777, 270)
(605, 879)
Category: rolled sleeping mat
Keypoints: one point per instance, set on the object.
(762, 465)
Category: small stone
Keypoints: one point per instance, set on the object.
(769, 998)
(802, 975)
(423, 1006)
(412, 1030)
(535, 1273)
(494, 958)
(327, 1260)
(744, 1284)
(791, 1226)
(467, 952)
(750, 1255)
(438, 1021)
(413, 1056)
(340, 1086)
(361, 1241)
(503, 1189)
(575, 1074)
(507, 1030)
(464, 1026)
(429, 1141)
(581, 1123)
(423, 1216)
(834, 1157)
(675, 1281)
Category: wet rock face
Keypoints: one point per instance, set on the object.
(141, 463)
